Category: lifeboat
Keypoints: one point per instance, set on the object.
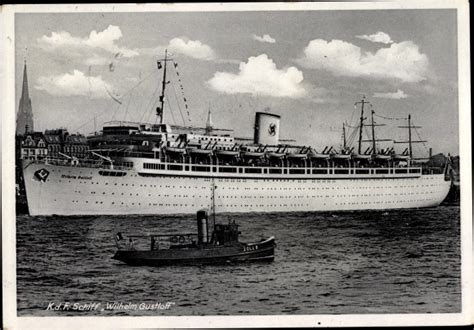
(316, 155)
(341, 156)
(253, 154)
(361, 156)
(296, 156)
(382, 157)
(227, 153)
(200, 152)
(175, 150)
(275, 155)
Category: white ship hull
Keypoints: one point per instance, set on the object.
(70, 190)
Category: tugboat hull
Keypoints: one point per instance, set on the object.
(200, 255)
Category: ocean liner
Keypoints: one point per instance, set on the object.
(136, 168)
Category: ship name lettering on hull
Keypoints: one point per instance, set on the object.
(65, 176)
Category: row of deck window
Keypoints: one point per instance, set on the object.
(257, 170)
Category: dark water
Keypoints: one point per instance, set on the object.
(379, 262)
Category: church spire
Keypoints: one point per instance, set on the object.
(24, 123)
(209, 122)
(25, 91)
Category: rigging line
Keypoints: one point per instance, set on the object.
(115, 112)
(117, 107)
(350, 126)
(352, 116)
(355, 130)
(342, 140)
(348, 141)
(151, 112)
(135, 104)
(139, 102)
(419, 137)
(137, 84)
(390, 118)
(366, 133)
(177, 102)
(169, 106)
(87, 122)
(182, 93)
(352, 137)
(348, 137)
(384, 106)
(111, 95)
(147, 107)
(139, 97)
(126, 109)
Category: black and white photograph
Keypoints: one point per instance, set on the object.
(223, 165)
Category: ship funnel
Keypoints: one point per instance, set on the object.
(202, 226)
(267, 129)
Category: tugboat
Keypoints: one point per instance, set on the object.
(222, 247)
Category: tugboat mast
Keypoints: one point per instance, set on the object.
(213, 204)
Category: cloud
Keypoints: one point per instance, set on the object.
(227, 61)
(264, 38)
(380, 37)
(95, 59)
(75, 84)
(104, 41)
(191, 48)
(183, 46)
(260, 76)
(132, 79)
(402, 61)
(399, 94)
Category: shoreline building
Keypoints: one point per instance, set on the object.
(24, 121)
(31, 146)
(61, 143)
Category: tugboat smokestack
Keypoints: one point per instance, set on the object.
(202, 226)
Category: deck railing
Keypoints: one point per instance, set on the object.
(154, 241)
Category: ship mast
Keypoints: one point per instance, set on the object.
(373, 124)
(374, 140)
(344, 143)
(410, 140)
(362, 103)
(160, 110)
(374, 150)
(409, 137)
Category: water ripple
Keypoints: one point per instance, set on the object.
(405, 261)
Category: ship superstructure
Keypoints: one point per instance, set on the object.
(137, 168)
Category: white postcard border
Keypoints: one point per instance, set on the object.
(8, 178)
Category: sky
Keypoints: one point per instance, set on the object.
(309, 67)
